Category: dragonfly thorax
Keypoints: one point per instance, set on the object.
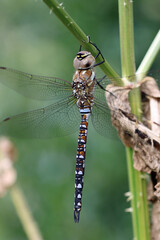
(83, 87)
(84, 60)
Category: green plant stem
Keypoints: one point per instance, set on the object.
(24, 214)
(137, 184)
(58, 9)
(126, 37)
(149, 56)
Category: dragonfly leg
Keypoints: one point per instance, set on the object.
(99, 52)
(99, 84)
(80, 48)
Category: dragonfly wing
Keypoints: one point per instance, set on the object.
(101, 120)
(137, 77)
(57, 119)
(101, 117)
(34, 86)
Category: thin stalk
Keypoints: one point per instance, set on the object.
(132, 186)
(137, 184)
(23, 211)
(58, 9)
(150, 55)
(126, 37)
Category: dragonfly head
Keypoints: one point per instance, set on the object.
(84, 60)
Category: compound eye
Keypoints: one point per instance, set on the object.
(87, 64)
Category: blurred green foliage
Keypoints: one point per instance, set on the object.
(32, 40)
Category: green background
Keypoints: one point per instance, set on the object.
(34, 41)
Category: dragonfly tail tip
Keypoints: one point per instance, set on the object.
(76, 216)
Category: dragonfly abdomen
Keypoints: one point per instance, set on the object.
(80, 162)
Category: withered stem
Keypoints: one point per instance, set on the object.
(24, 213)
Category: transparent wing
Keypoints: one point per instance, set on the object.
(57, 119)
(132, 78)
(101, 118)
(33, 86)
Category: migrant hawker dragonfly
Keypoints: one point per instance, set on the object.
(75, 103)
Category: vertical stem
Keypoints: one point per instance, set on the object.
(137, 182)
(126, 37)
(132, 186)
(150, 55)
(23, 211)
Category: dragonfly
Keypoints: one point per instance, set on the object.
(74, 103)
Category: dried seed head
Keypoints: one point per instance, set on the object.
(7, 172)
(7, 149)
